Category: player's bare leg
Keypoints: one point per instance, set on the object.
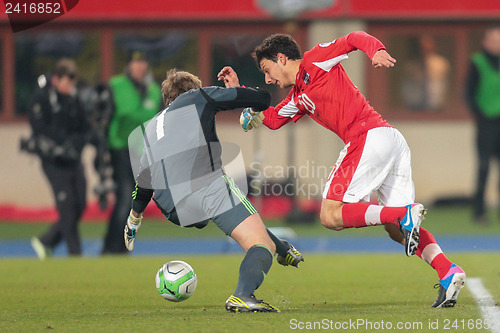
(252, 236)
(331, 214)
(395, 233)
(252, 231)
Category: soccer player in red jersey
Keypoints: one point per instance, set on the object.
(376, 156)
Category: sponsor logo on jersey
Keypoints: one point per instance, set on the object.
(306, 77)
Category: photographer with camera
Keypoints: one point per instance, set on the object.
(60, 131)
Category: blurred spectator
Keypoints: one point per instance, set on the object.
(60, 127)
(437, 69)
(426, 79)
(136, 99)
(483, 98)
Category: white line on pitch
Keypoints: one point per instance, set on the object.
(489, 310)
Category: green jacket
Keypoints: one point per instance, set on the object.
(130, 109)
(488, 90)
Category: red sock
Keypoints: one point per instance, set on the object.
(441, 264)
(358, 215)
(430, 251)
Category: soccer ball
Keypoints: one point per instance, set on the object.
(176, 281)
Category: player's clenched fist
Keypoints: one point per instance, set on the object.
(250, 119)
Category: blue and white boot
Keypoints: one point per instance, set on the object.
(410, 226)
(449, 287)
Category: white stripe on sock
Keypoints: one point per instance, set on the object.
(372, 215)
(430, 252)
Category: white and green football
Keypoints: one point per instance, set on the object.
(176, 281)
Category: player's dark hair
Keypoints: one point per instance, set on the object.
(65, 67)
(491, 28)
(274, 44)
(176, 83)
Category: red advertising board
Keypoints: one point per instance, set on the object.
(202, 10)
(166, 9)
(453, 9)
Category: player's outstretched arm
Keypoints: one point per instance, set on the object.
(229, 77)
(382, 58)
(374, 49)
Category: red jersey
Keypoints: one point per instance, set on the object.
(324, 92)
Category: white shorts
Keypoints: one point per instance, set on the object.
(377, 161)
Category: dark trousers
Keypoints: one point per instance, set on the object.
(488, 146)
(69, 189)
(125, 183)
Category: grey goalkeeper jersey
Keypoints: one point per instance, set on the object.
(182, 152)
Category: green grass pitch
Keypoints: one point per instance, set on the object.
(117, 294)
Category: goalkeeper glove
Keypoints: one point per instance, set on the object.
(250, 119)
(131, 228)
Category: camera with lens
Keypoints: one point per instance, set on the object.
(49, 149)
(28, 145)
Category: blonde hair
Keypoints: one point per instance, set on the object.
(176, 83)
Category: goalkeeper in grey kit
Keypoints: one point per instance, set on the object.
(181, 170)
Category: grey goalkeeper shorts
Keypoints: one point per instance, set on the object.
(221, 201)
